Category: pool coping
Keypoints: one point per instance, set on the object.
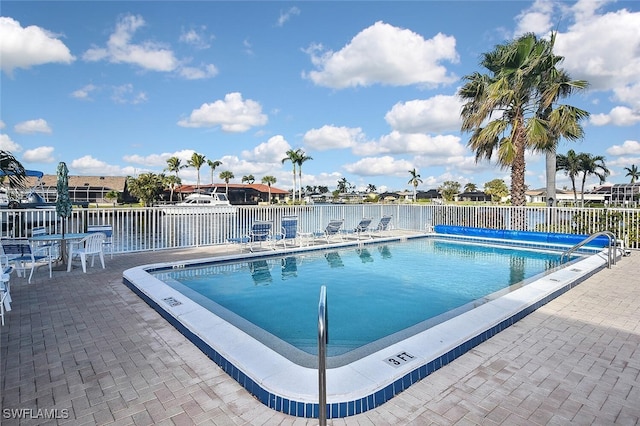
(366, 383)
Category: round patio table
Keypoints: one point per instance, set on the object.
(62, 239)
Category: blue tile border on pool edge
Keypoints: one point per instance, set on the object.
(369, 402)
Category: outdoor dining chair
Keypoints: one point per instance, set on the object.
(107, 230)
(22, 255)
(91, 245)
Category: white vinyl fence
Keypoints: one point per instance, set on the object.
(145, 229)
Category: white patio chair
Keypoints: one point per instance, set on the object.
(23, 255)
(5, 294)
(91, 245)
(107, 230)
(54, 247)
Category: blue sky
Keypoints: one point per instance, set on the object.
(367, 89)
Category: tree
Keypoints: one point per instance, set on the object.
(564, 121)
(470, 187)
(497, 189)
(269, 180)
(213, 164)
(301, 157)
(414, 181)
(172, 182)
(292, 156)
(226, 176)
(449, 189)
(515, 105)
(592, 165)
(112, 196)
(570, 164)
(12, 169)
(371, 188)
(196, 161)
(174, 165)
(249, 179)
(147, 187)
(633, 173)
(343, 186)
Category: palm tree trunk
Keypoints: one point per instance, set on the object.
(551, 177)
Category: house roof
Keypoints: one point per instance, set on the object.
(222, 186)
(116, 183)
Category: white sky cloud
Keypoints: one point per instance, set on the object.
(627, 148)
(84, 93)
(379, 166)
(33, 126)
(387, 55)
(150, 55)
(88, 165)
(333, 137)
(601, 48)
(271, 151)
(437, 114)
(119, 49)
(43, 154)
(233, 114)
(286, 15)
(196, 37)
(413, 143)
(618, 116)
(29, 46)
(6, 144)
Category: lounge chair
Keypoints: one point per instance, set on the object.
(362, 228)
(259, 233)
(289, 267)
(23, 255)
(289, 231)
(332, 230)
(383, 226)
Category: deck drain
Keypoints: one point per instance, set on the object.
(171, 301)
(575, 270)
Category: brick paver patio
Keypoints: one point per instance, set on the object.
(85, 349)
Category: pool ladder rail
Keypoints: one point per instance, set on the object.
(611, 249)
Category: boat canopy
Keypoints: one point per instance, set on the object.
(28, 173)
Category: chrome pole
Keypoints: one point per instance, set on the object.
(322, 357)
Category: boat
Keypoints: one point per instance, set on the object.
(198, 203)
(30, 198)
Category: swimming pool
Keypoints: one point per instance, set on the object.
(366, 373)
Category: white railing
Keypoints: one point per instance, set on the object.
(148, 229)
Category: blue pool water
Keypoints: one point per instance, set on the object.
(375, 292)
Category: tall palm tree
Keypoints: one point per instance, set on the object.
(174, 165)
(565, 120)
(196, 161)
(292, 155)
(248, 179)
(343, 186)
(570, 164)
(213, 164)
(470, 187)
(633, 173)
(592, 165)
(226, 176)
(508, 103)
(269, 180)
(371, 188)
(301, 157)
(415, 181)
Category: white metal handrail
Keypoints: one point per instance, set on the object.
(612, 244)
(323, 338)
